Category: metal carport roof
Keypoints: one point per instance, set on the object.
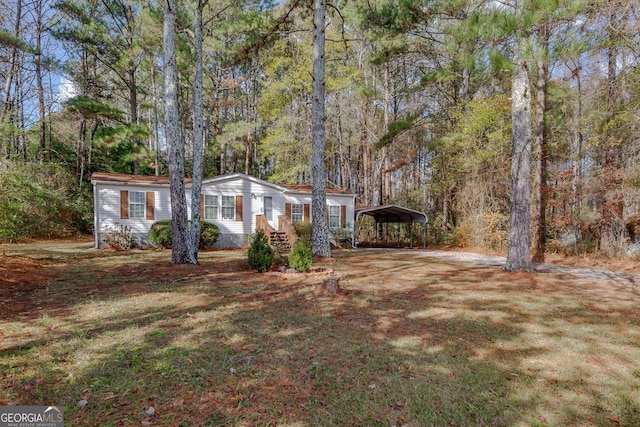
(391, 214)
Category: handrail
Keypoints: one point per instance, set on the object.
(285, 225)
(263, 224)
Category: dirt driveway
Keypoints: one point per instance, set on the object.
(631, 277)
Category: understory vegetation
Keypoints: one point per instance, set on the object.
(42, 201)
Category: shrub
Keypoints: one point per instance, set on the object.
(119, 237)
(301, 256)
(303, 229)
(161, 231)
(260, 255)
(209, 234)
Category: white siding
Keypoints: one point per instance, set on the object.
(232, 232)
(251, 206)
(332, 200)
(343, 200)
(108, 207)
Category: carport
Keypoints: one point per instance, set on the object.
(391, 214)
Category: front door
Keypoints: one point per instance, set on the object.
(267, 209)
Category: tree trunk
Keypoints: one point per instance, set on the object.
(540, 143)
(38, 64)
(132, 84)
(92, 136)
(576, 155)
(367, 192)
(21, 141)
(13, 59)
(519, 251)
(612, 225)
(156, 148)
(198, 137)
(385, 186)
(82, 137)
(180, 234)
(320, 229)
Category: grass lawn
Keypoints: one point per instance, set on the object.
(125, 339)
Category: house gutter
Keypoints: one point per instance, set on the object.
(128, 184)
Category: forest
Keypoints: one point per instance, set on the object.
(420, 98)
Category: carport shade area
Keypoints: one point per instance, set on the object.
(392, 214)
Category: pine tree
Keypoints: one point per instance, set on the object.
(519, 249)
(320, 229)
(198, 136)
(180, 253)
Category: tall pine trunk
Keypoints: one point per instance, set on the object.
(10, 75)
(519, 250)
(180, 234)
(39, 4)
(198, 138)
(320, 229)
(132, 84)
(612, 227)
(577, 142)
(540, 218)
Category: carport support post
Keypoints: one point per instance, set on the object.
(353, 233)
(425, 234)
(386, 234)
(411, 235)
(399, 234)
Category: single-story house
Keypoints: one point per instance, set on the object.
(237, 203)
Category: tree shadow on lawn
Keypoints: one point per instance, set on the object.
(445, 344)
(55, 288)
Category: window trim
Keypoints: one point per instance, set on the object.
(215, 205)
(133, 214)
(300, 214)
(231, 208)
(337, 215)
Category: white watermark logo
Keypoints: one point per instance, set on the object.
(31, 416)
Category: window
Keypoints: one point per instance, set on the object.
(334, 216)
(136, 204)
(210, 207)
(297, 213)
(228, 207)
(268, 208)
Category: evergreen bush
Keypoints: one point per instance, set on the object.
(303, 229)
(301, 256)
(209, 234)
(161, 231)
(260, 255)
